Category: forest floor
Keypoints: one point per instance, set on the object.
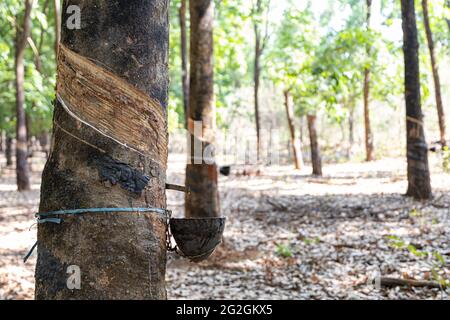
(288, 235)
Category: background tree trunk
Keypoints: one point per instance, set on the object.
(434, 69)
(302, 124)
(367, 126)
(184, 60)
(43, 142)
(113, 74)
(29, 136)
(201, 176)
(8, 150)
(22, 33)
(298, 161)
(260, 42)
(315, 152)
(256, 79)
(351, 129)
(417, 151)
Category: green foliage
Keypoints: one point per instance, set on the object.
(309, 241)
(324, 67)
(415, 213)
(436, 260)
(319, 61)
(284, 251)
(231, 58)
(290, 62)
(40, 66)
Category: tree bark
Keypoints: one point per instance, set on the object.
(434, 69)
(184, 60)
(419, 185)
(109, 150)
(29, 136)
(367, 126)
(43, 142)
(201, 173)
(22, 33)
(260, 41)
(351, 129)
(315, 152)
(256, 79)
(297, 153)
(301, 130)
(8, 150)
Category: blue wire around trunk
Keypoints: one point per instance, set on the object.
(44, 217)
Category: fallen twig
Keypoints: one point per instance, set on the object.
(396, 282)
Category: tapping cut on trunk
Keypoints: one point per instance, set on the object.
(109, 151)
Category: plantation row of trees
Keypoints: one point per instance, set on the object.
(96, 161)
(314, 63)
(27, 77)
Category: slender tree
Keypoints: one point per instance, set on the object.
(201, 171)
(351, 127)
(8, 150)
(368, 129)
(184, 59)
(29, 136)
(110, 150)
(434, 69)
(419, 185)
(316, 160)
(23, 27)
(298, 159)
(261, 36)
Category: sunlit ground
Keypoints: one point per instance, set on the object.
(288, 234)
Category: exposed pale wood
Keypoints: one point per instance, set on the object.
(114, 106)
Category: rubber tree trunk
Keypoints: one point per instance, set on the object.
(259, 48)
(110, 150)
(417, 151)
(201, 171)
(351, 129)
(434, 69)
(315, 152)
(43, 142)
(298, 161)
(29, 136)
(368, 129)
(256, 79)
(184, 60)
(22, 33)
(302, 124)
(8, 150)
